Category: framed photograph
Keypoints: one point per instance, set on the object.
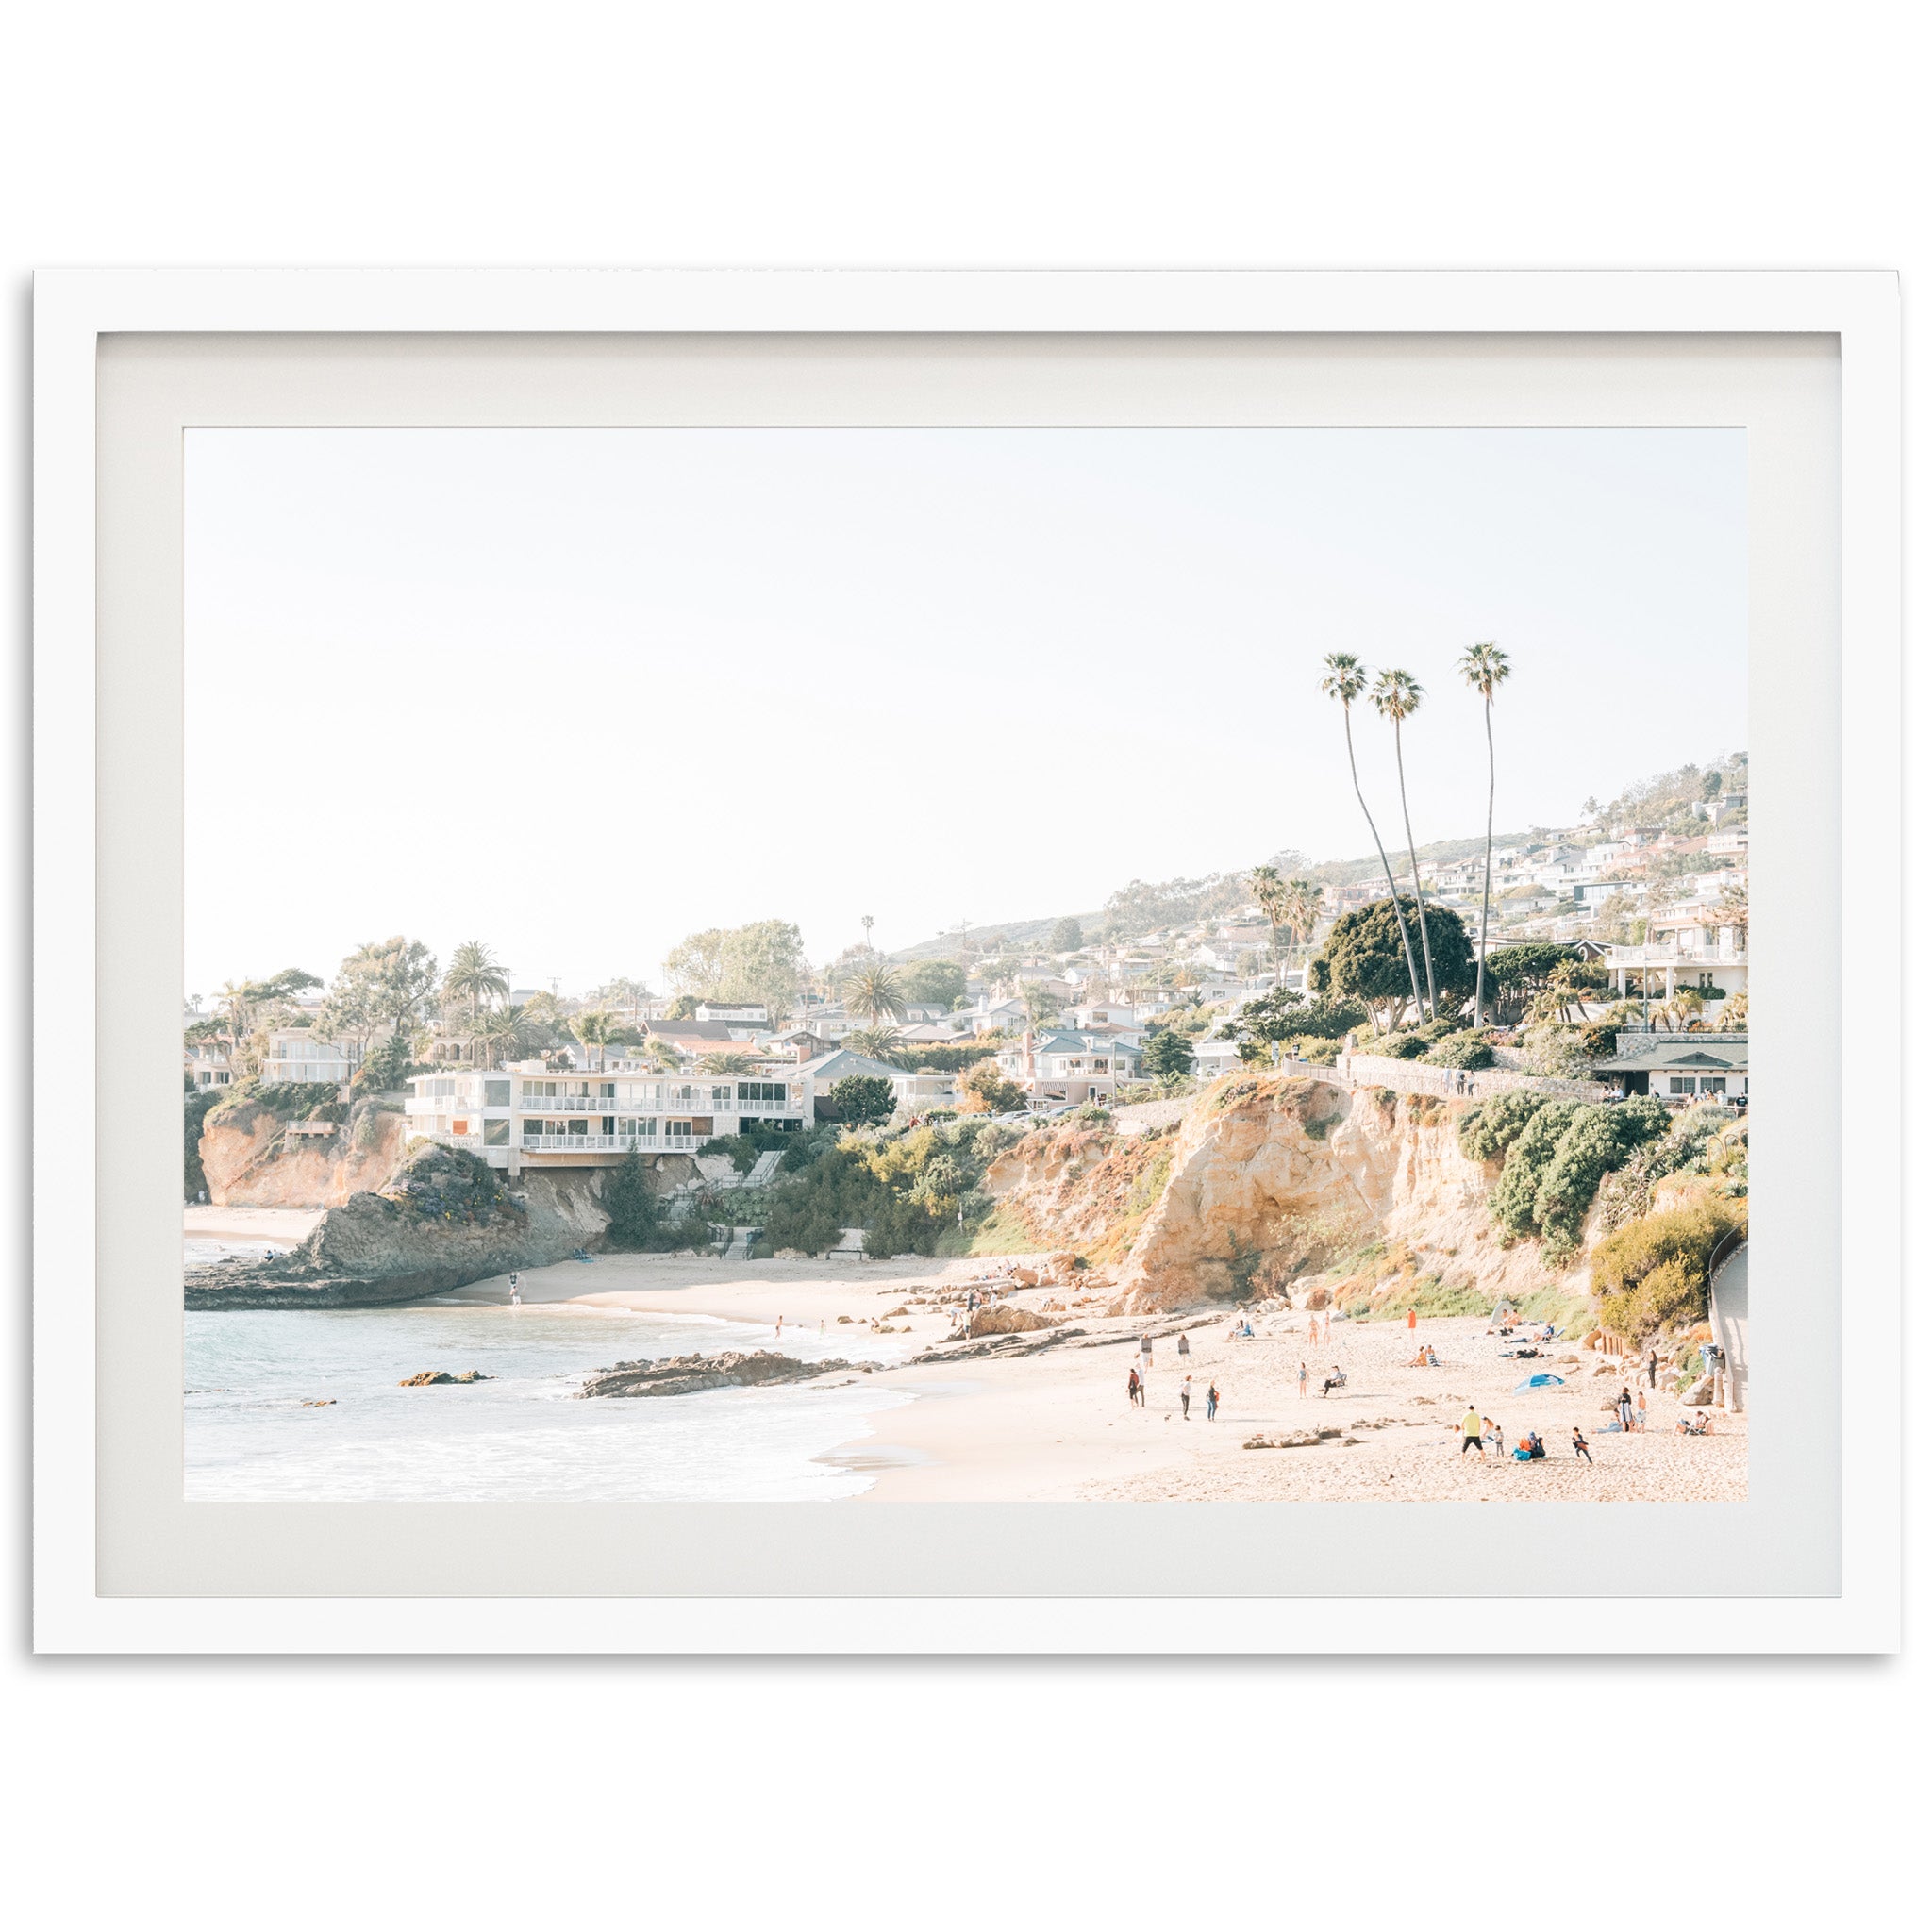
(966, 961)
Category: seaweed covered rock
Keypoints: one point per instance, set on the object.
(692, 1374)
(444, 1220)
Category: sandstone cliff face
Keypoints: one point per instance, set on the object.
(1264, 1180)
(251, 1163)
(1272, 1177)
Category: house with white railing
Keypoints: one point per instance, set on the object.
(529, 1116)
(301, 1054)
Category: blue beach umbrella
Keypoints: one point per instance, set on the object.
(1529, 1382)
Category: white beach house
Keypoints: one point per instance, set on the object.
(529, 1116)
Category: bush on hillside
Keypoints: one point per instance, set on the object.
(1401, 1046)
(1467, 1050)
(1600, 1139)
(632, 1207)
(1512, 1201)
(1486, 1132)
(1654, 1275)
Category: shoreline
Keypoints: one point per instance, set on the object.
(1057, 1426)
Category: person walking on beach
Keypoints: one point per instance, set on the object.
(1146, 1355)
(1213, 1400)
(1133, 1385)
(1187, 1394)
(1471, 1434)
(1412, 1320)
(1653, 1367)
(1181, 1346)
(1301, 1380)
(1327, 1321)
(1311, 1327)
(516, 1289)
(1578, 1446)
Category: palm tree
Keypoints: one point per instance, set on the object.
(1301, 910)
(1345, 682)
(1397, 696)
(593, 1030)
(1265, 887)
(1484, 667)
(497, 1032)
(475, 976)
(728, 1062)
(874, 1042)
(874, 991)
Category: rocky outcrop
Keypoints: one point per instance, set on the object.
(692, 1374)
(251, 1159)
(1272, 1176)
(430, 1378)
(1006, 1318)
(442, 1221)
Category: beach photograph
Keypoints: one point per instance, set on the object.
(902, 965)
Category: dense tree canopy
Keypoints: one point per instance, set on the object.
(1363, 959)
(934, 982)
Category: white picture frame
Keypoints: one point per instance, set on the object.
(77, 309)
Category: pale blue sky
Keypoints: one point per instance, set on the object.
(578, 692)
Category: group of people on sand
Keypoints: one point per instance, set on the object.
(1484, 1436)
(1140, 1374)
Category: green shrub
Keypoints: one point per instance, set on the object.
(863, 1099)
(1654, 1275)
(1467, 1049)
(1488, 1131)
(1401, 1046)
(1599, 1140)
(1512, 1201)
(1317, 1050)
(632, 1206)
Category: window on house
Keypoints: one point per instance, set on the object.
(497, 1133)
(496, 1094)
(1683, 1083)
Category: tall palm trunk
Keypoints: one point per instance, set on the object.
(1395, 899)
(1415, 877)
(1482, 945)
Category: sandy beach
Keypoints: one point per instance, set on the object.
(1058, 1426)
(285, 1227)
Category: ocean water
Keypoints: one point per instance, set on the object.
(250, 1435)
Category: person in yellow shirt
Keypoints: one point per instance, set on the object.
(1472, 1432)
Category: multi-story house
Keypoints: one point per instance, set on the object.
(300, 1053)
(207, 1063)
(528, 1116)
(1060, 1066)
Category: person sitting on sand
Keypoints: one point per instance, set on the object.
(1698, 1424)
(1421, 1360)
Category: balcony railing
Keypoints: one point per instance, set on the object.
(612, 1144)
(1676, 955)
(702, 1102)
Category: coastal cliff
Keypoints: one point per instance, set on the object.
(1265, 1183)
(441, 1220)
(251, 1159)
